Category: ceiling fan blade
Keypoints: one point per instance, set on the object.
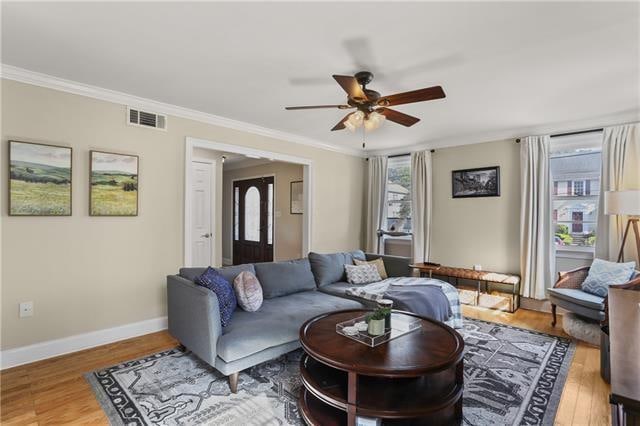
(398, 117)
(421, 95)
(351, 86)
(317, 107)
(340, 124)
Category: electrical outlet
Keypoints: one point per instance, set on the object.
(477, 267)
(26, 309)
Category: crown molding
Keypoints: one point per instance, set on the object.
(22, 75)
(622, 117)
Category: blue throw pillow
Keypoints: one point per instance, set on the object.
(602, 274)
(227, 301)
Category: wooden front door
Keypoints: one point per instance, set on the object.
(253, 220)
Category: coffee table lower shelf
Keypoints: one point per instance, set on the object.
(430, 399)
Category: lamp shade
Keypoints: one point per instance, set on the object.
(622, 202)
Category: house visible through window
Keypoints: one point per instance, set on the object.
(575, 173)
(399, 194)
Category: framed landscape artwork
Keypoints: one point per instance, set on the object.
(481, 182)
(39, 179)
(296, 197)
(114, 184)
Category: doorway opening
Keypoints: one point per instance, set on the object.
(260, 205)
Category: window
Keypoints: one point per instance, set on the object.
(236, 213)
(270, 215)
(575, 173)
(252, 214)
(399, 194)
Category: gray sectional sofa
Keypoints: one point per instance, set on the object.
(294, 291)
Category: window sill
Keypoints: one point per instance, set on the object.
(576, 252)
(403, 240)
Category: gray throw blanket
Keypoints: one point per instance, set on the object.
(426, 300)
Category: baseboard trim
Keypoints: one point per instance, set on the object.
(52, 348)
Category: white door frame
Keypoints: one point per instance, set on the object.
(212, 202)
(307, 176)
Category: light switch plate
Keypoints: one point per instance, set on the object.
(26, 309)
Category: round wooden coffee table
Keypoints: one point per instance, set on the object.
(414, 379)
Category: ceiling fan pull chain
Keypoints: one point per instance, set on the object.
(363, 138)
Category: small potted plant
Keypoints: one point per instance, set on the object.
(376, 321)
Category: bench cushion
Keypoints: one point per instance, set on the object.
(578, 297)
(277, 322)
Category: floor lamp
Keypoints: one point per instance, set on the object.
(625, 203)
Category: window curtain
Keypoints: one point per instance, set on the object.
(620, 170)
(536, 233)
(421, 204)
(376, 200)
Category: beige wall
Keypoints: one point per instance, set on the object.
(477, 231)
(288, 227)
(89, 273)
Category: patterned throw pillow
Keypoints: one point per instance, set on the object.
(215, 282)
(362, 274)
(602, 274)
(379, 264)
(248, 291)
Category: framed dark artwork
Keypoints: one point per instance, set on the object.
(297, 201)
(480, 182)
(113, 184)
(39, 179)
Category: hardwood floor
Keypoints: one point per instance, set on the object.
(54, 391)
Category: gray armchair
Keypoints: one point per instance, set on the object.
(567, 293)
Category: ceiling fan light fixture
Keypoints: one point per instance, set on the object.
(354, 121)
(374, 121)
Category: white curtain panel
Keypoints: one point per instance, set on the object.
(536, 233)
(421, 204)
(620, 170)
(376, 200)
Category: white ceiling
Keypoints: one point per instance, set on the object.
(508, 69)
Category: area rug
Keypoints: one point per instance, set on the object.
(512, 376)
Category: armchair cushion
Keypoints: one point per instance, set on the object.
(578, 297)
(602, 274)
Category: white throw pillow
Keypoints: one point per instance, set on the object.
(248, 291)
(362, 274)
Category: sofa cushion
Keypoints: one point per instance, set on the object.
(362, 274)
(248, 291)
(277, 322)
(228, 272)
(227, 301)
(578, 297)
(602, 274)
(282, 278)
(329, 268)
(379, 264)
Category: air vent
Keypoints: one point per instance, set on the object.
(147, 119)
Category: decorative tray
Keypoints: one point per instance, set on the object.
(401, 324)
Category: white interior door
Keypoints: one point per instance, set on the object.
(201, 215)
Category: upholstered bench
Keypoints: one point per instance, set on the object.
(494, 290)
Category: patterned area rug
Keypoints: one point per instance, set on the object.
(512, 376)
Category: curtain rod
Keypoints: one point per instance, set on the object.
(402, 155)
(578, 132)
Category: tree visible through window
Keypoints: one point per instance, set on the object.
(399, 194)
(575, 173)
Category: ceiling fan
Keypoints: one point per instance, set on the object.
(371, 107)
